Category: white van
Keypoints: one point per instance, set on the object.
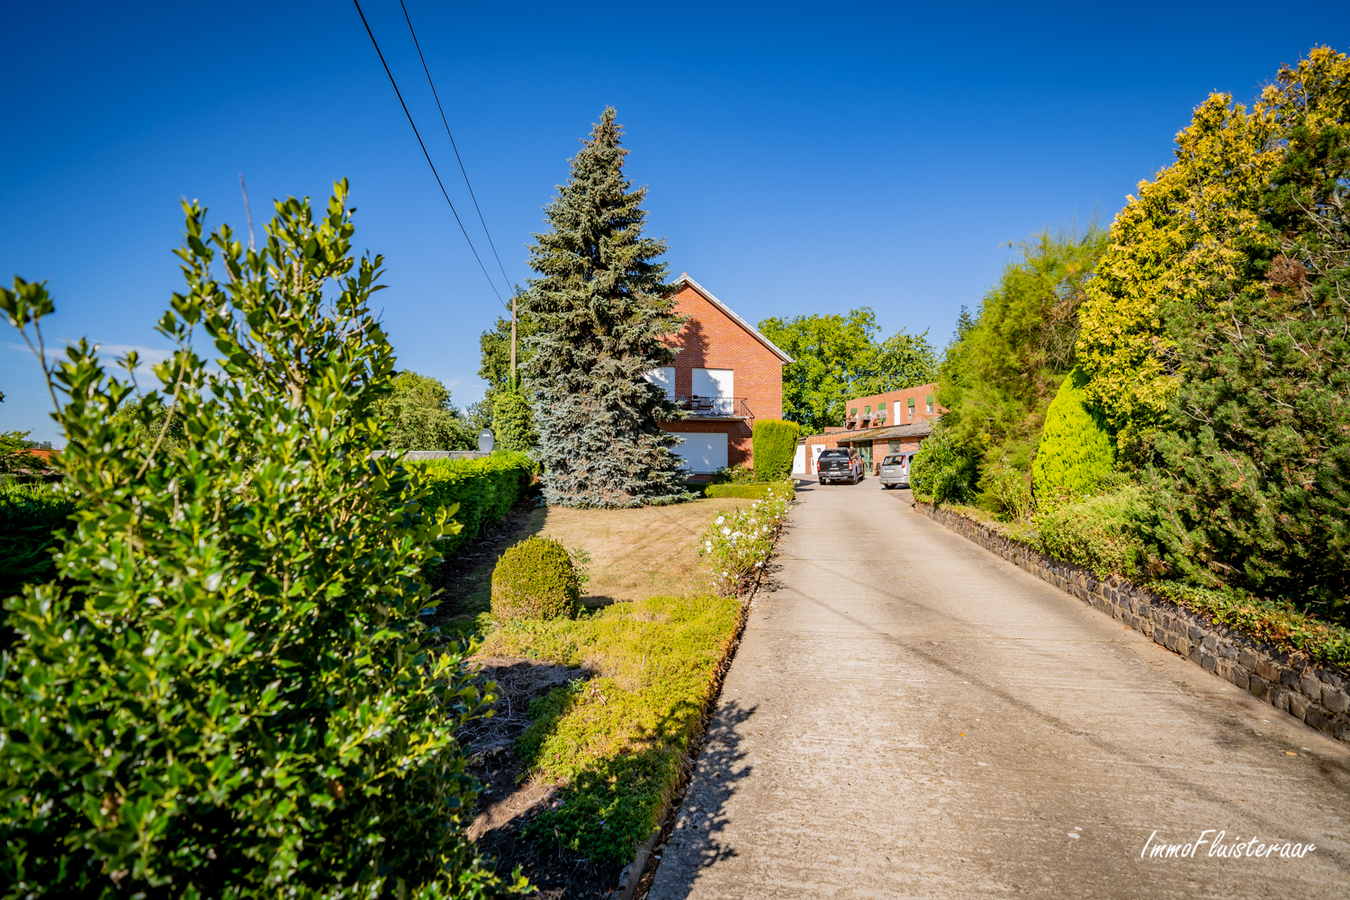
(895, 470)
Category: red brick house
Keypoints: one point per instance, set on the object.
(877, 425)
(726, 376)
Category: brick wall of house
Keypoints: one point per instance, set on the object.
(712, 340)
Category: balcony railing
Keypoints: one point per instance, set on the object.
(696, 407)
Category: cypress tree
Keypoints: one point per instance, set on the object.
(601, 309)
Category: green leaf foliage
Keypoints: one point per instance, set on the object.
(535, 579)
(479, 491)
(1192, 236)
(999, 377)
(225, 691)
(513, 422)
(1252, 482)
(1100, 532)
(836, 357)
(1076, 453)
(420, 416)
(602, 315)
(942, 471)
(774, 443)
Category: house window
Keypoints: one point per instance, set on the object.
(930, 404)
(852, 417)
(717, 386)
(881, 412)
(911, 409)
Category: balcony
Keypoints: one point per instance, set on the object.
(696, 407)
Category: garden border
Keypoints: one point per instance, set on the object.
(1317, 695)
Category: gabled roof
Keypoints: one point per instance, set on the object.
(754, 332)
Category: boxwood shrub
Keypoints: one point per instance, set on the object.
(535, 579)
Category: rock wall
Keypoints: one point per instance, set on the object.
(1316, 695)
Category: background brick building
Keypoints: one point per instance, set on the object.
(877, 425)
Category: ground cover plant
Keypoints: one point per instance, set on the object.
(225, 691)
(615, 741)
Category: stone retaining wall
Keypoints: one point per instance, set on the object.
(1316, 695)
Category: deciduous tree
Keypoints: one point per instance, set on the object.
(837, 356)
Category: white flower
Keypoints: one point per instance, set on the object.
(726, 530)
(721, 519)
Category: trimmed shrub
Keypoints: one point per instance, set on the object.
(1076, 452)
(942, 471)
(774, 443)
(535, 579)
(483, 490)
(1100, 533)
(513, 423)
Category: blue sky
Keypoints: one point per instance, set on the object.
(801, 158)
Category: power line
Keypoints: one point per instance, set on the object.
(424, 150)
(462, 170)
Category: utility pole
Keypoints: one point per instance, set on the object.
(513, 341)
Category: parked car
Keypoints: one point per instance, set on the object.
(840, 465)
(895, 470)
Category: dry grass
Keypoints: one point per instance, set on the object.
(639, 553)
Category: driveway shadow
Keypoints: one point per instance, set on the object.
(694, 840)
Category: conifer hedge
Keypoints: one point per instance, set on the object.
(775, 443)
(1076, 452)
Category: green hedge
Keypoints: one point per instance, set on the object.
(747, 491)
(775, 443)
(485, 490)
(1100, 533)
(30, 515)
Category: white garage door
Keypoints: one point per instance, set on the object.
(703, 454)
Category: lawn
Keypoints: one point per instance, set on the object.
(598, 715)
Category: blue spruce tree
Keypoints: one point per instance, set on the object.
(601, 309)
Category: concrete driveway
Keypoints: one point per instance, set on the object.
(911, 716)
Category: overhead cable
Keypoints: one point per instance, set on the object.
(462, 170)
(424, 151)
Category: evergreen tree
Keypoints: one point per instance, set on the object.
(601, 310)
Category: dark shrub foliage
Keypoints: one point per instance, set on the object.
(775, 443)
(225, 691)
(535, 579)
(1100, 533)
(30, 516)
(1076, 452)
(1252, 486)
(512, 422)
(942, 471)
